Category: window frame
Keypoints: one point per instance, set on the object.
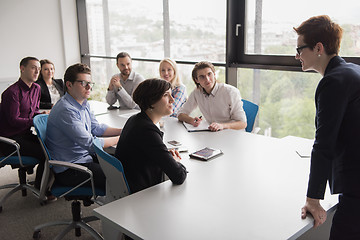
(235, 49)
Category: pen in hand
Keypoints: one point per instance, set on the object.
(199, 118)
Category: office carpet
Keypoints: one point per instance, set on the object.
(21, 214)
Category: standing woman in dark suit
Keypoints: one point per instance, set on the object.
(51, 89)
(141, 148)
(335, 155)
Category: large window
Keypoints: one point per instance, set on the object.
(251, 42)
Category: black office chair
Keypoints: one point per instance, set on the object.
(75, 194)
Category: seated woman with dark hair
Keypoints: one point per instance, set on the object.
(141, 148)
(51, 89)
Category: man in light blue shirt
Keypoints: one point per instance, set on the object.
(72, 128)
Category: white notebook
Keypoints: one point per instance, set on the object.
(204, 126)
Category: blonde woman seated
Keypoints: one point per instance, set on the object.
(141, 148)
(169, 72)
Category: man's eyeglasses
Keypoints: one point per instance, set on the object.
(85, 83)
(298, 49)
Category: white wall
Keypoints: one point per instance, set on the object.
(39, 28)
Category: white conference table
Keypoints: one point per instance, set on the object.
(255, 190)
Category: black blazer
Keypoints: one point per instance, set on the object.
(336, 155)
(45, 99)
(144, 155)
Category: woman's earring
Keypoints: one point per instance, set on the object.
(319, 55)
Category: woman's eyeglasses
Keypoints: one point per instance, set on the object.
(298, 49)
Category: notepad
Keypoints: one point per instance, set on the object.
(203, 126)
(206, 153)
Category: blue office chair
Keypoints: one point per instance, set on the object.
(251, 110)
(86, 194)
(25, 164)
(116, 183)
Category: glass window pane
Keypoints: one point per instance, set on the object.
(275, 34)
(286, 100)
(134, 26)
(198, 30)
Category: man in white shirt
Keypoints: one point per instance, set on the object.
(123, 84)
(220, 103)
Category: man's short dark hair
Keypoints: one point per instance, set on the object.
(72, 71)
(321, 29)
(149, 92)
(199, 66)
(122, 55)
(26, 60)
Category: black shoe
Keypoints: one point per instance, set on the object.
(50, 198)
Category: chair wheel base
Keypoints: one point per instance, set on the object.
(0, 209)
(36, 235)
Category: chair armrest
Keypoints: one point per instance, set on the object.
(8, 140)
(79, 168)
(70, 165)
(17, 149)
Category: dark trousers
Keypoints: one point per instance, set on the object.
(346, 221)
(72, 177)
(29, 146)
